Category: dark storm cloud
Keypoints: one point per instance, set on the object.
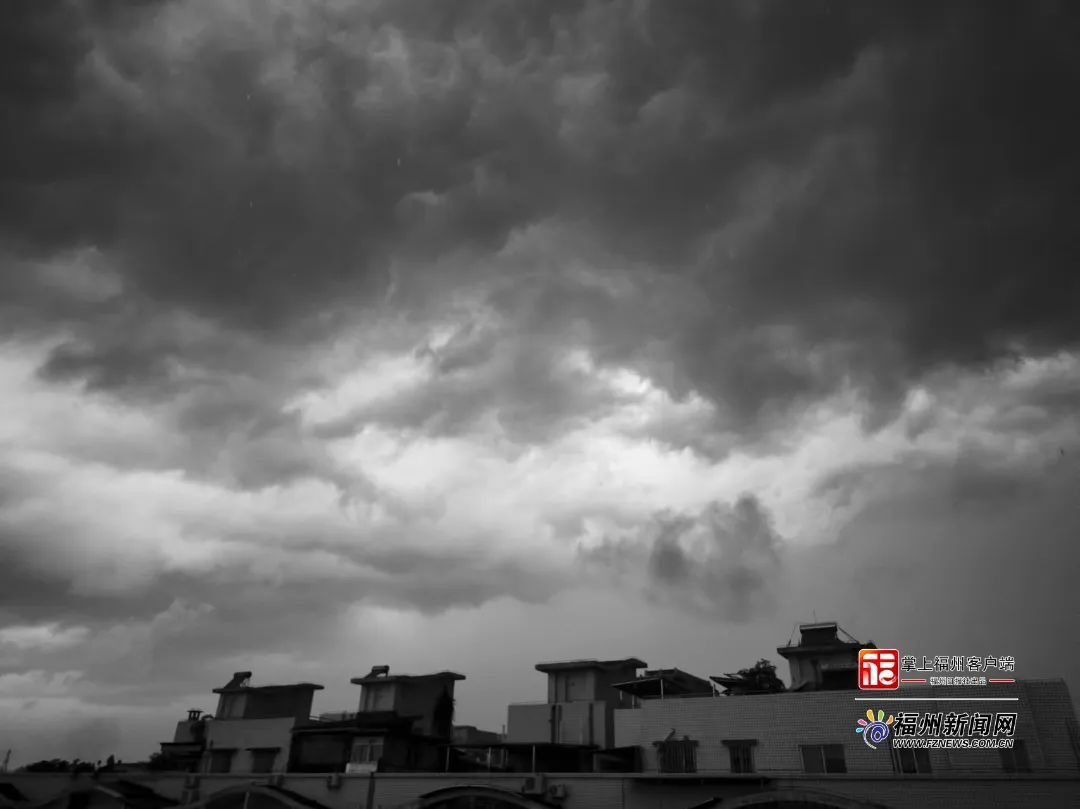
(790, 199)
(933, 226)
(933, 223)
(212, 190)
(930, 227)
(717, 563)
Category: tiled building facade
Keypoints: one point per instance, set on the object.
(778, 727)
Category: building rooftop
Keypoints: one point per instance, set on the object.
(665, 682)
(381, 674)
(247, 689)
(369, 721)
(579, 665)
(822, 637)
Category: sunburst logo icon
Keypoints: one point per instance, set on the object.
(875, 731)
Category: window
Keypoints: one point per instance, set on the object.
(741, 753)
(823, 758)
(221, 760)
(838, 680)
(676, 756)
(262, 760)
(1016, 759)
(231, 707)
(379, 697)
(366, 751)
(911, 761)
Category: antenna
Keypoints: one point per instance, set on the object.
(852, 637)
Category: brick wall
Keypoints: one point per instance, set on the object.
(782, 722)
(1047, 700)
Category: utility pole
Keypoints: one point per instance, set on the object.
(7, 758)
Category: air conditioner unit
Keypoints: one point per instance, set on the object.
(333, 781)
(534, 785)
(557, 792)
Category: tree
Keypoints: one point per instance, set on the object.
(763, 675)
(159, 762)
(49, 765)
(443, 715)
(59, 765)
(758, 679)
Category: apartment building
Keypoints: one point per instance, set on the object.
(612, 734)
(250, 732)
(404, 723)
(581, 699)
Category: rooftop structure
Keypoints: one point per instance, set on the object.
(666, 684)
(250, 731)
(241, 684)
(427, 697)
(381, 674)
(822, 660)
(581, 696)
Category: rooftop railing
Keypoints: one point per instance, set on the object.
(343, 716)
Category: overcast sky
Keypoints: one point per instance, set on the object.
(470, 335)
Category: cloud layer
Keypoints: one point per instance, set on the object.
(325, 326)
